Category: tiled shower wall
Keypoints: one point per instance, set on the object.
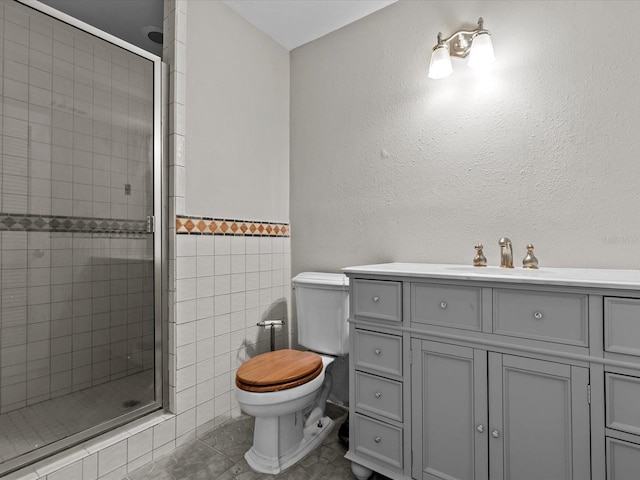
(226, 284)
(76, 275)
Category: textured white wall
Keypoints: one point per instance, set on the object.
(388, 165)
(237, 118)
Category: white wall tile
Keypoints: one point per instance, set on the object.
(164, 433)
(186, 245)
(139, 444)
(164, 449)
(205, 266)
(185, 289)
(90, 467)
(139, 462)
(185, 422)
(185, 400)
(222, 264)
(222, 285)
(112, 458)
(72, 472)
(205, 286)
(204, 349)
(186, 267)
(185, 378)
(205, 369)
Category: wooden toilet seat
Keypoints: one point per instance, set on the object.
(279, 370)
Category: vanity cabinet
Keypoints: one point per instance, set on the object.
(484, 415)
(459, 373)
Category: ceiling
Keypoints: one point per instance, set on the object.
(291, 23)
(125, 19)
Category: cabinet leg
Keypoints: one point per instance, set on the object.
(361, 473)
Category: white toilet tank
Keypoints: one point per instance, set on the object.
(322, 306)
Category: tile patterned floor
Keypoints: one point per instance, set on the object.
(28, 428)
(219, 454)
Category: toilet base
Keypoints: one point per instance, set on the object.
(313, 435)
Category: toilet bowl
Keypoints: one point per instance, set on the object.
(286, 390)
(289, 423)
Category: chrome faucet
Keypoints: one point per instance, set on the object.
(506, 253)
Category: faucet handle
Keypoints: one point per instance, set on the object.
(479, 260)
(530, 260)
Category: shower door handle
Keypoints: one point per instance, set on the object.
(151, 224)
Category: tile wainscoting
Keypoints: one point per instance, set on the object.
(225, 284)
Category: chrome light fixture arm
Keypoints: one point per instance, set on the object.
(459, 43)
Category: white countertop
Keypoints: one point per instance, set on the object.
(570, 277)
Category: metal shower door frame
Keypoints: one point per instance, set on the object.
(160, 245)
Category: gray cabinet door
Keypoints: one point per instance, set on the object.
(535, 425)
(449, 403)
(538, 420)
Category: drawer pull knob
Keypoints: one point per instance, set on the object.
(495, 434)
(377, 439)
(537, 315)
(480, 428)
(378, 394)
(376, 299)
(443, 305)
(377, 351)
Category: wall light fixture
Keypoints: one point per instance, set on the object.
(473, 43)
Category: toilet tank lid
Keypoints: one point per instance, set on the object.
(322, 278)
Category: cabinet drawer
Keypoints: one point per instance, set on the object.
(553, 317)
(458, 307)
(623, 402)
(622, 325)
(623, 459)
(379, 396)
(379, 351)
(377, 299)
(379, 441)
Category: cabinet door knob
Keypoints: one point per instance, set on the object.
(443, 305)
(495, 434)
(378, 394)
(480, 428)
(376, 299)
(377, 439)
(377, 351)
(537, 315)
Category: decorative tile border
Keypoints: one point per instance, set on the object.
(224, 226)
(13, 222)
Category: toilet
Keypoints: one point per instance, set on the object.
(286, 390)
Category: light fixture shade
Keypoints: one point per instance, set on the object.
(440, 65)
(481, 51)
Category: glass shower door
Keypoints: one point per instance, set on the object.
(78, 323)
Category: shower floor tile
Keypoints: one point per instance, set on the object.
(219, 454)
(28, 428)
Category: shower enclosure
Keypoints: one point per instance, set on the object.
(80, 345)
